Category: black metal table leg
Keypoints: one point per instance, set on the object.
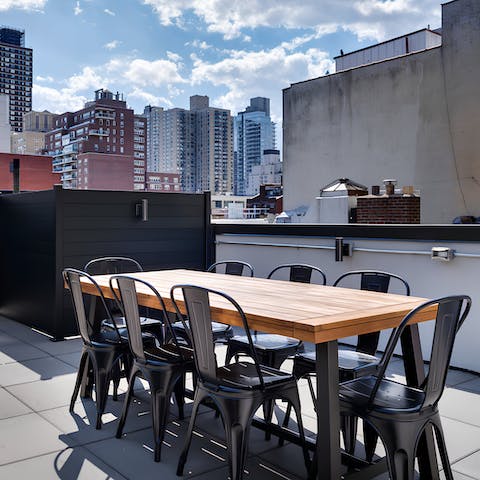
(328, 454)
(415, 374)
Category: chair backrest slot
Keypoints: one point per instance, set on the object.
(299, 272)
(232, 267)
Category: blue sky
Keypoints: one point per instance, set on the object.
(159, 52)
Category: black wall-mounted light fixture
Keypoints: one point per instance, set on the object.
(342, 249)
(141, 210)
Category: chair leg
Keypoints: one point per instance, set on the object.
(294, 401)
(103, 362)
(237, 416)
(78, 382)
(229, 355)
(160, 404)
(126, 403)
(179, 391)
(116, 374)
(199, 396)
(370, 438)
(400, 444)
(442, 448)
(348, 427)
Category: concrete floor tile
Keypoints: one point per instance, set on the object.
(27, 436)
(19, 351)
(288, 458)
(71, 463)
(72, 358)
(45, 394)
(460, 405)
(469, 466)
(461, 439)
(60, 347)
(33, 370)
(472, 385)
(133, 454)
(11, 406)
(78, 427)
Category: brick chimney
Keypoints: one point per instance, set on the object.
(390, 207)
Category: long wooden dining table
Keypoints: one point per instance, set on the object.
(313, 313)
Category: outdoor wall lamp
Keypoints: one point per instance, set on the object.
(342, 249)
(141, 210)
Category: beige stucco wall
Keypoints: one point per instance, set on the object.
(415, 118)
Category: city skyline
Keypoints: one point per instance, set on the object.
(160, 52)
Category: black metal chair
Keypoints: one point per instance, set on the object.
(272, 350)
(123, 265)
(102, 349)
(163, 366)
(354, 363)
(221, 332)
(399, 413)
(238, 389)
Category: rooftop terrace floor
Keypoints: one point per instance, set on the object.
(40, 439)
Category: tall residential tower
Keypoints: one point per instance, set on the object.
(254, 133)
(197, 144)
(15, 74)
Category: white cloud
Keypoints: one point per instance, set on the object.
(149, 98)
(202, 45)
(56, 100)
(109, 12)
(48, 79)
(174, 57)
(35, 5)
(154, 73)
(112, 45)
(373, 19)
(88, 79)
(247, 74)
(77, 9)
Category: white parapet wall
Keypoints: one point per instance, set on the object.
(410, 259)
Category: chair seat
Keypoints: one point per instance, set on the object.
(220, 330)
(267, 341)
(348, 360)
(107, 338)
(167, 353)
(120, 322)
(243, 375)
(392, 397)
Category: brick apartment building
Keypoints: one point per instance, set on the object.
(101, 146)
(34, 172)
(163, 182)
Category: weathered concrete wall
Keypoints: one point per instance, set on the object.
(414, 118)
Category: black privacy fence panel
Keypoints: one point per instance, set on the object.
(44, 232)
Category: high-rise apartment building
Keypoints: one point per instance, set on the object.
(4, 124)
(15, 74)
(197, 144)
(213, 158)
(101, 146)
(254, 133)
(32, 139)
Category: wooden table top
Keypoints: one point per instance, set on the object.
(309, 312)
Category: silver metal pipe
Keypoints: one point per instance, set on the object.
(290, 245)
